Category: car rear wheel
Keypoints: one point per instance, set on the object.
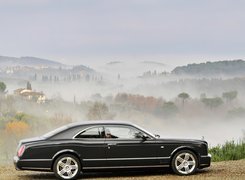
(67, 166)
(184, 162)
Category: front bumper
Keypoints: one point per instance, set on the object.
(205, 161)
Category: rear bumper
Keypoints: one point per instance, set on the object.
(16, 163)
(205, 161)
(32, 164)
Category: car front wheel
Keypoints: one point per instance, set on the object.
(184, 162)
(67, 166)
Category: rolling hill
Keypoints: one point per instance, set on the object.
(6, 61)
(227, 68)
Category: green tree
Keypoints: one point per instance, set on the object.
(28, 86)
(229, 96)
(20, 116)
(2, 92)
(2, 87)
(183, 96)
(212, 102)
(202, 96)
(169, 109)
(236, 113)
(99, 111)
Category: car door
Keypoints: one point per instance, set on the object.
(92, 147)
(127, 148)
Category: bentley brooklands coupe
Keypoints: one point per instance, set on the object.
(93, 145)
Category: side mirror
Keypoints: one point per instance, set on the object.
(157, 135)
(142, 136)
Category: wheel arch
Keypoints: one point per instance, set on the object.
(185, 148)
(66, 151)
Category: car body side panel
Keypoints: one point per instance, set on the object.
(131, 152)
(92, 152)
(168, 148)
(88, 151)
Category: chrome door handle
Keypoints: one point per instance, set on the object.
(162, 147)
(112, 144)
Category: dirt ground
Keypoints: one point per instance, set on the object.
(219, 170)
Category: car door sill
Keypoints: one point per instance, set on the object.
(119, 167)
(119, 159)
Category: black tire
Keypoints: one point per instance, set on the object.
(67, 166)
(184, 163)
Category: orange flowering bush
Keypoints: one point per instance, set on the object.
(17, 128)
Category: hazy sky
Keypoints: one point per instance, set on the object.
(87, 31)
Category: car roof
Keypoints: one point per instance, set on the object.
(95, 122)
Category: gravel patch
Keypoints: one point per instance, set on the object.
(218, 170)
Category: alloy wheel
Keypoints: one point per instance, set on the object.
(67, 167)
(184, 162)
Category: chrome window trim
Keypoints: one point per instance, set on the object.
(145, 131)
(107, 140)
(116, 125)
(128, 126)
(90, 127)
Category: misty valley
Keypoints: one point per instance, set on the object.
(201, 101)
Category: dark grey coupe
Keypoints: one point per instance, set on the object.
(94, 145)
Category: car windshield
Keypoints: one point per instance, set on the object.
(56, 131)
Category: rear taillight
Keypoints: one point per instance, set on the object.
(21, 150)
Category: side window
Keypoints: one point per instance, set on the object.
(122, 132)
(95, 132)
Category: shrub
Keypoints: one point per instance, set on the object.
(17, 128)
(229, 151)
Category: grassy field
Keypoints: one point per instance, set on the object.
(231, 150)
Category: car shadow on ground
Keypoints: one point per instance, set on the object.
(127, 173)
(136, 173)
(105, 174)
